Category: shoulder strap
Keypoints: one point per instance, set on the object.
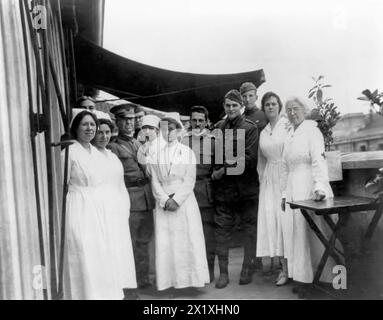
(249, 121)
(134, 156)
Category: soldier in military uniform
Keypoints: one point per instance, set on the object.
(201, 142)
(138, 185)
(236, 191)
(249, 97)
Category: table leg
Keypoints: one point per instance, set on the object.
(375, 220)
(341, 222)
(329, 248)
(318, 232)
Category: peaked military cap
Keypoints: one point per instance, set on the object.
(125, 110)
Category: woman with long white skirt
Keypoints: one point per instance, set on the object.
(274, 226)
(117, 208)
(305, 176)
(91, 268)
(180, 252)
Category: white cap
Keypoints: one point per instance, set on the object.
(75, 112)
(98, 114)
(102, 115)
(175, 116)
(151, 120)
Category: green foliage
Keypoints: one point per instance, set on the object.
(325, 111)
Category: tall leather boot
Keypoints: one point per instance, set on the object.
(223, 280)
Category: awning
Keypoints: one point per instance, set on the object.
(156, 88)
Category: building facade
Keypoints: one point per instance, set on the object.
(358, 132)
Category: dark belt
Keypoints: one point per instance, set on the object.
(203, 178)
(137, 183)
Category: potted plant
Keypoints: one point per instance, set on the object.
(326, 114)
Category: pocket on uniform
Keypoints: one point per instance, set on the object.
(137, 199)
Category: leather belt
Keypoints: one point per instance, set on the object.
(137, 183)
(203, 178)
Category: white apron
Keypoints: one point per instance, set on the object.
(304, 171)
(179, 240)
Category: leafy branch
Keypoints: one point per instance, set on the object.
(325, 111)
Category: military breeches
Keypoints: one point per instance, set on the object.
(226, 215)
(141, 230)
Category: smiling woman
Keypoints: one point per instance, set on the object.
(104, 134)
(84, 127)
(98, 254)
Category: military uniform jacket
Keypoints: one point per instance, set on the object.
(258, 117)
(203, 147)
(244, 185)
(136, 180)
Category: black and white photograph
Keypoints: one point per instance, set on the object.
(206, 152)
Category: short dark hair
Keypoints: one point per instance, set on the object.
(76, 122)
(267, 96)
(200, 109)
(82, 99)
(107, 122)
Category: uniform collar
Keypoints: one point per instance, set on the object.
(204, 133)
(254, 110)
(235, 121)
(125, 137)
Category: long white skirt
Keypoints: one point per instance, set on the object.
(274, 225)
(98, 256)
(180, 252)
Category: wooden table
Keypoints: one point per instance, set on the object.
(341, 206)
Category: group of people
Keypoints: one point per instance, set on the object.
(188, 191)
